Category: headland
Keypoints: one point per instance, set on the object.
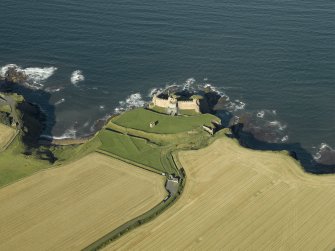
(198, 160)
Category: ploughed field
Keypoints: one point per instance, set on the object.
(239, 199)
(6, 134)
(72, 206)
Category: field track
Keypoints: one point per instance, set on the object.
(70, 207)
(240, 199)
(6, 135)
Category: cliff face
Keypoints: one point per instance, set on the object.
(29, 120)
(15, 111)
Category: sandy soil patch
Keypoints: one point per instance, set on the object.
(240, 199)
(70, 207)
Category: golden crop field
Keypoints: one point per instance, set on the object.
(69, 207)
(240, 199)
(6, 134)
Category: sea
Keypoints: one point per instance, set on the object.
(87, 60)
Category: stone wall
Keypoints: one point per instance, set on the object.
(160, 102)
(189, 105)
(183, 105)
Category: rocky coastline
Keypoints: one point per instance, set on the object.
(244, 128)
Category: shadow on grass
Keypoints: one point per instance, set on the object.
(38, 118)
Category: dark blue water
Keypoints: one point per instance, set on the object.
(271, 55)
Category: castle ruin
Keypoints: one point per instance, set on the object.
(173, 105)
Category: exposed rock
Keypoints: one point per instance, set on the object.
(261, 131)
(5, 118)
(222, 103)
(14, 75)
(326, 155)
(98, 125)
(211, 99)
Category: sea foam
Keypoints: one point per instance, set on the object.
(260, 114)
(133, 101)
(68, 134)
(77, 76)
(60, 101)
(35, 75)
(53, 89)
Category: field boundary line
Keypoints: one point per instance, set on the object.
(143, 218)
(112, 155)
(4, 148)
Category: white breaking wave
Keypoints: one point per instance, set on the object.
(284, 139)
(188, 84)
(239, 105)
(86, 124)
(39, 74)
(157, 91)
(154, 91)
(277, 124)
(53, 89)
(214, 89)
(260, 114)
(69, 134)
(60, 101)
(234, 106)
(35, 75)
(133, 101)
(77, 76)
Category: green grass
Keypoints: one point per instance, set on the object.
(69, 153)
(159, 109)
(188, 112)
(5, 108)
(181, 112)
(15, 165)
(156, 138)
(140, 119)
(17, 98)
(135, 149)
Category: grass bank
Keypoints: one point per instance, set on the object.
(16, 164)
(141, 118)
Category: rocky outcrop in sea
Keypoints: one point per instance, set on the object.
(13, 75)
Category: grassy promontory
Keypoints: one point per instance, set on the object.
(140, 119)
(128, 137)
